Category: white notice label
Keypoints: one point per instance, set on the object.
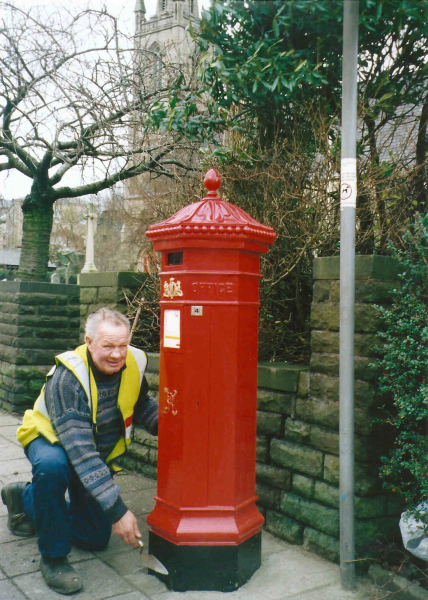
(348, 183)
(171, 329)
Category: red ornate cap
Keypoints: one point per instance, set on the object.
(211, 217)
(212, 182)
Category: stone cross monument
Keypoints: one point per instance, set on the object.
(89, 266)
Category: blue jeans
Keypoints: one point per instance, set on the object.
(59, 523)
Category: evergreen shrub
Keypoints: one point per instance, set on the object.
(402, 369)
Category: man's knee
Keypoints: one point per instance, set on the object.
(51, 464)
(54, 471)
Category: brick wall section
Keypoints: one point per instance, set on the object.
(106, 289)
(297, 467)
(37, 321)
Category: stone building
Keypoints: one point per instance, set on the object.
(11, 224)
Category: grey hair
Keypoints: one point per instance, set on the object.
(104, 315)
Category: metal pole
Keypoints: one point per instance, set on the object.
(348, 194)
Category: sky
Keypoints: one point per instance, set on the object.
(13, 184)
(122, 8)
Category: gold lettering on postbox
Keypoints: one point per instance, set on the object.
(213, 289)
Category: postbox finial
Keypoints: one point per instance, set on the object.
(212, 182)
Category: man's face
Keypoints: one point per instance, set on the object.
(109, 349)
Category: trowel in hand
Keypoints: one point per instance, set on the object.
(150, 561)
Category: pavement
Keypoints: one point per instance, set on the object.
(287, 572)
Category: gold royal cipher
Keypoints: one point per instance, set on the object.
(172, 289)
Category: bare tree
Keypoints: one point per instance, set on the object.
(72, 97)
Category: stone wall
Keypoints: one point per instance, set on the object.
(297, 467)
(309, 511)
(37, 321)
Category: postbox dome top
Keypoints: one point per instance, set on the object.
(212, 217)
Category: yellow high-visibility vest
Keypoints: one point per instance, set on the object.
(37, 422)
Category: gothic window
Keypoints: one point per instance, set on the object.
(192, 3)
(163, 5)
(156, 65)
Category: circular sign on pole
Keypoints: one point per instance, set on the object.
(348, 183)
(345, 191)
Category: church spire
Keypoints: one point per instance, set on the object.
(140, 7)
(140, 14)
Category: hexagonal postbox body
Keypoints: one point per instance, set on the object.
(205, 526)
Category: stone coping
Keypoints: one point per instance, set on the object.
(36, 287)
(280, 376)
(112, 279)
(153, 361)
(366, 267)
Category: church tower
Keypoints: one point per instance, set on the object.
(162, 43)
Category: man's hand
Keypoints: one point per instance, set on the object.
(127, 529)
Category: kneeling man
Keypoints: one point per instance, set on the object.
(80, 423)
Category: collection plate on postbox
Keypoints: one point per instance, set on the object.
(171, 328)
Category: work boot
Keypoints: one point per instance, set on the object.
(60, 575)
(18, 522)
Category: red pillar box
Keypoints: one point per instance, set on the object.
(205, 526)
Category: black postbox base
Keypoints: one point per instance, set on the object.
(209, 568)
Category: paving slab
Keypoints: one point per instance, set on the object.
(139, 502)
(282, 574)
(133, 482)
(100, 583)
(132, 596)
(148, 584)
(8, 591)
(129, 565)
(125, 563)
(19, 557)
(17, 466)
(9, 419)
(78, 555)
(9, 451)
(8, 432)
(334, 593)
(271, 544)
